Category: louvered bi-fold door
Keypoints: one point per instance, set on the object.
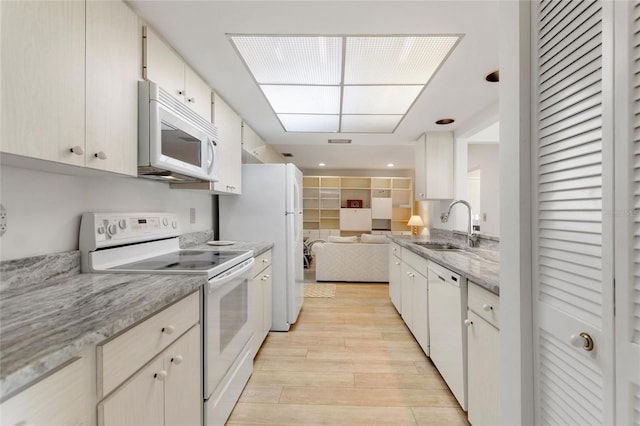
(573, 234)
(627, 212)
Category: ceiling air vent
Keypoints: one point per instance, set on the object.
(339, 140)
(287, 154)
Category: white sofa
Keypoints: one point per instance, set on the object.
(351, 261)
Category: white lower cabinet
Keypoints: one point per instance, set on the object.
(415, 308)
(262, 299)
(483, 336)
(152, 373)
(395, 276)
(59, 399)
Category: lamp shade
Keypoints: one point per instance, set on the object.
(415, 221)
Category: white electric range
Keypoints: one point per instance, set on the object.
(148, 243)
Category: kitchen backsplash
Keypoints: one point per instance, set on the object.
(44, 209)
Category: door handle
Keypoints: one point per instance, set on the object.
(582, 340)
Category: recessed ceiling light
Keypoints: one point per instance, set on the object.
(390, 165)
(493, 77)
(443, 121)
(340, 83)
(321, 164)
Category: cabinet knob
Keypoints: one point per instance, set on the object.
(181, 92)
(468, 322)
(77, 150)
(397, 263)
(486, 307)
(191, 100)
(177, 360)
(265, 260)
(160, 375)
(168, 329)
(101, 155)
(582, 340)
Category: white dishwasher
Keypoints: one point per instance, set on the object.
(447, 312)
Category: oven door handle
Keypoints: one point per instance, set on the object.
(231, 274)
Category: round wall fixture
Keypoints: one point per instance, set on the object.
(493, 77)
(445, 121)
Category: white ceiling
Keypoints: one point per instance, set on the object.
(197, 30)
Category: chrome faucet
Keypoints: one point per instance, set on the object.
(472, 238)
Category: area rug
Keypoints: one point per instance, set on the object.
(319, 290)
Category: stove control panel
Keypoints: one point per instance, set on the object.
(98, 230)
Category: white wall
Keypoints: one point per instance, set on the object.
(486, 158)
(43, 209)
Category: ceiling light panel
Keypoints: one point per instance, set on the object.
(292, 60)
(395, 60)
(303, 99)
(309, 122)
(370, 123)
(378, 99)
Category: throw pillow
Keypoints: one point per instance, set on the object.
(337, 239)
(374, 238)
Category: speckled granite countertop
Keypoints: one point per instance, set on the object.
(50, 313)
(481, 266)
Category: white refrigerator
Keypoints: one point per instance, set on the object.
(270, 210)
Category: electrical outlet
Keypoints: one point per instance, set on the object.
(192, 215)
(442, 217)
(3, 220)
(484, 217)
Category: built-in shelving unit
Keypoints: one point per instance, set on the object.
(389, 199)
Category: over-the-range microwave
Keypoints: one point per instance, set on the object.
(174, 143)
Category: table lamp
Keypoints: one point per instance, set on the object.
(415, 221)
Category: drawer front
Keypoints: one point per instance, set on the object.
(262, 261)
(120, 357)
(484, 303)
(395, 250)
(416, 261)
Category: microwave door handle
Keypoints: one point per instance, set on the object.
(230, 276)
(212, 155)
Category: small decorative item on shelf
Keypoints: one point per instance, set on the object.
(415, 221)
(354, 204)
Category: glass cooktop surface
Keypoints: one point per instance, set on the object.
(183, 260)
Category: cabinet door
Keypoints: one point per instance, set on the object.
(395, 279)
(42, 79)
(381, 208)
(229, 127)
(420, 311)
(355, 219)
(257, 307)
(408, 278)
(112, 87)
(163, 65)
(197, 93)
(439, 165)
(61, 400)
(420, 168)
(139, 401)
(483, 371)
(183, 397)
(267, 300)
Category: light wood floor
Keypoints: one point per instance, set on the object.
(348, 360)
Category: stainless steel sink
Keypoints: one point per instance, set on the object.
(437, 246)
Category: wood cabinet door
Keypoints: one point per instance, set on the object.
(420, 309)
(183, 396)
(197, 93)
(229, 127)
(267, 300)
(483, 349)
(163, 65)
(139, 401)
(112, 87)
(42, 79)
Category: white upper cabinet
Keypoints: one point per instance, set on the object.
(113, 67)
(164, 66)
(42, 79)
(229, 147)
(434, 166)
(69, 73)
